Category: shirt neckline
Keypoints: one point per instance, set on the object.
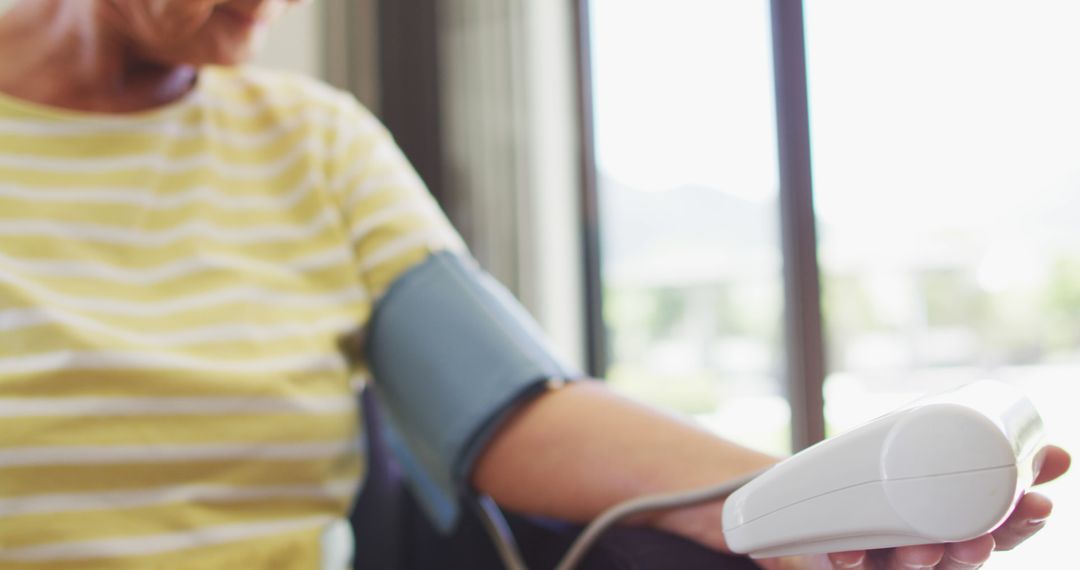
(10, 104)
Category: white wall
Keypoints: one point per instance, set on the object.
(295, 43)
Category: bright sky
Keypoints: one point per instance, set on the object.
(921, 110)
(684, 94)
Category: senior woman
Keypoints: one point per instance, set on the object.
(183, 242)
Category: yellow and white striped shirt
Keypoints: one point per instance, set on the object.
(173, 285)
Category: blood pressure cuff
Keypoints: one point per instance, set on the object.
(452, 354)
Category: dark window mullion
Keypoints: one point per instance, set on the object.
(802, 292)
(410, 95)
(803, 323)
(596, 332)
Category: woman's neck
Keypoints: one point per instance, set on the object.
(64, 54)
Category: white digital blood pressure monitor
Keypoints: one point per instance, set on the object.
(943, 469)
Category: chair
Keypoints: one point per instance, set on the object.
(393, 534)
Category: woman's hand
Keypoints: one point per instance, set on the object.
(1028, 518)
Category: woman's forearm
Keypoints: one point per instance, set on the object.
(578, 450)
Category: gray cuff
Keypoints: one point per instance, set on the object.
(452, 354)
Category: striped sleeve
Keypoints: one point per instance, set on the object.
(392, 220)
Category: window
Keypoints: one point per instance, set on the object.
(686, 165)
(947, 188)
(946, 191)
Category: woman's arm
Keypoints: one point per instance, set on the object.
(576, 451)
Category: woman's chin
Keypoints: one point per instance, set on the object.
(220, 55)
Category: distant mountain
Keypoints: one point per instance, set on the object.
(705, 225)
(696, 234)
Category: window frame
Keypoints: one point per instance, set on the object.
(803, 326)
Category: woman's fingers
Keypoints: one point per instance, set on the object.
(915, 557)
(967, 555)
(1028, 518)
(1055, 463)
(856, 560)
